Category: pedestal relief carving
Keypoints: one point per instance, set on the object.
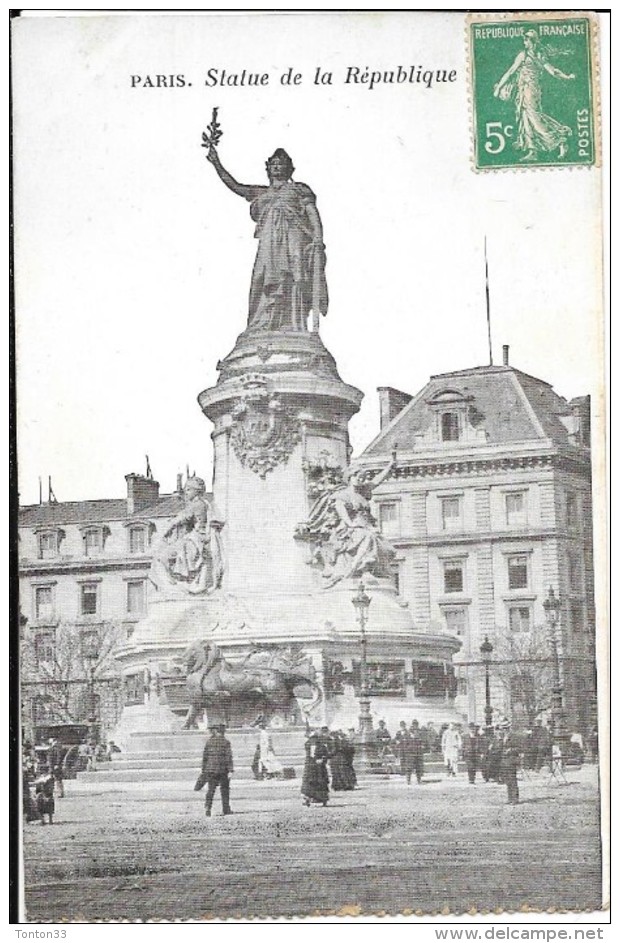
(263, 435)
(346, 540)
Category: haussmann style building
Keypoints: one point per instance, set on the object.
(488, 506)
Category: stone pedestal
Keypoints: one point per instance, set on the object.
(279, 406)
(279, 409)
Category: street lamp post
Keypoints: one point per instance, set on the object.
(551, 605)
(92, 712)
(361, 602)
(486, 650)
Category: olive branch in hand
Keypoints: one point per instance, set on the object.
(215, 132)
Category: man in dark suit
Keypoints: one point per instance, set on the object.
(217, 766)
(55, 759)
(472, 752)
(541, 746)
(404, 748)
(510, 761)
(417, 749)
(382, 735)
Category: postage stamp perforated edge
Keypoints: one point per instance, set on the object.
(594, 78)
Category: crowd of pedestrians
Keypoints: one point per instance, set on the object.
(494, 754)
(45, 768)
(42, 780)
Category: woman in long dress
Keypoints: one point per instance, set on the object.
(288, 280)
(341, 763)
(315, 782)
(536, 131)
(450, 747)
(269, 764)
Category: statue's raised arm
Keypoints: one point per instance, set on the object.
(288, 280)
(241, 189)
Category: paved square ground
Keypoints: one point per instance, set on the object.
(147, 852)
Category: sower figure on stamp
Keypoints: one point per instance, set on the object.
(537, 131)
(217, 767)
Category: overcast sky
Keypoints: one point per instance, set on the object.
(133, 261)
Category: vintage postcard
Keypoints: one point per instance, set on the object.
(310, 426)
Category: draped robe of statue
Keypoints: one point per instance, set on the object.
(288, 279)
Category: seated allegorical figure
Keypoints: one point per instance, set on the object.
(189, 557)
(344, 532)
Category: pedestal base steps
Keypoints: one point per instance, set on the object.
(168, 757)
(177, 757)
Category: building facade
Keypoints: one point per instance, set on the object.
(489, 507)
(84, 584)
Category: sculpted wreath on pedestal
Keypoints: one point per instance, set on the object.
(263, 435)
(269, 676)
(288, 280)
(347, 542)
(188, 558)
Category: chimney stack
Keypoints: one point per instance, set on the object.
(580, 409)
(505, 350)
(141, 492)
(391, 403)
(179, 482)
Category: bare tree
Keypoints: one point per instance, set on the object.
(63, 665)
(522, 663)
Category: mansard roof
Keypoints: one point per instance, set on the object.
(96, 512)
(509, 406)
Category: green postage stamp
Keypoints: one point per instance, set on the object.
(532, 81)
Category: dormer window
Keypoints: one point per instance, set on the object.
(456, 419)
(48, 542)
(137, 539)
(139, 534)
(48, 545)
(94, 539)
(93, 542)
(450, 427)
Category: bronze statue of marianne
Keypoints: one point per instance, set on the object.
(288, 281)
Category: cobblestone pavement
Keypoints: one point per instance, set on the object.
(148, 852)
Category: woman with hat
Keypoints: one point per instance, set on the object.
(315, 781)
